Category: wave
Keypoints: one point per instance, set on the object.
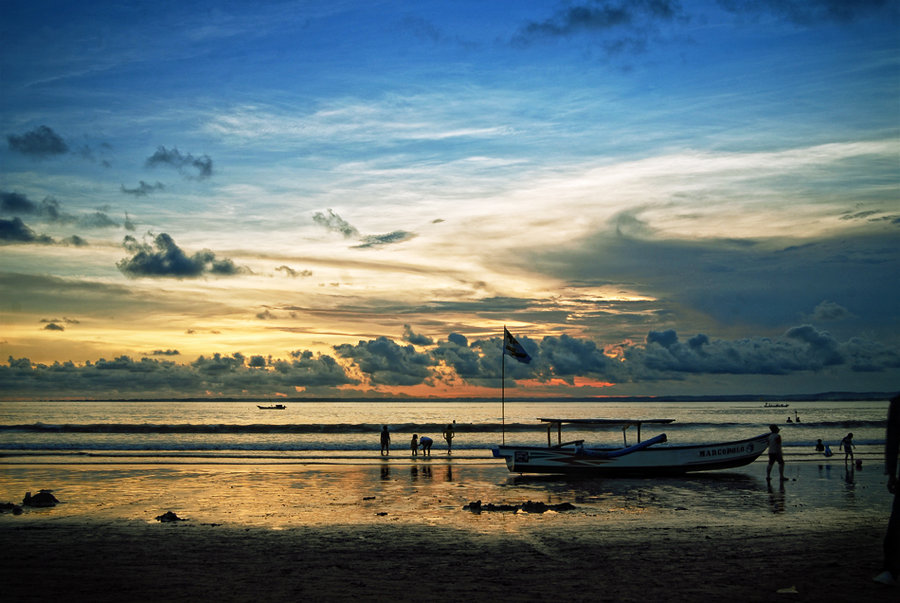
(365, 428)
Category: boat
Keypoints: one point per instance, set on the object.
(272, 407)
(645, 457)
(770, 405)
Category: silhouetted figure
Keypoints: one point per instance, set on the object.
(848, 446)
(414, 445)
(385, 441)
(775, 454)
(448, 435)
(892, 539)
(820, 447)
(425, 442)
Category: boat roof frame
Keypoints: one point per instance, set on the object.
(623, 423)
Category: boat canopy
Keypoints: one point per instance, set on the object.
(623, 423)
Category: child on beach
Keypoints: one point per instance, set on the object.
(848, 446)
(414, 445)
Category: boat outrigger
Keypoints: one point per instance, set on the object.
(643, 457)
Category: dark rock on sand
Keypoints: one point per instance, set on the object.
(526, 507)
(169, 516)
(43, 498)
(16, 509)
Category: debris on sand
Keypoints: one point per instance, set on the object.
(526, 507)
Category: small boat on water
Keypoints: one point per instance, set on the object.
(643, 457)
(771, 405)
(272, 407)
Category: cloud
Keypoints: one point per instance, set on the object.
(54, 327)
(387, 363)
(143, 189)
(165, 259)
(416, 339)
(288, 271)
(68, 321)
(192, 168)
(398, 236)
(42, 142)
(49, 210)
(662, 356)
(830, 311)
(809, 12)
(335, 223)
(15, 231)
(620, 25)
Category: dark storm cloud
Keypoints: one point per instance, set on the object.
(801, 349)
(15, 231)
(54, 327)
(662, 356)
(165, 259)
(335, 223)
(143, 189)
(233, 375)
(567, 357)
(193, 168)
(723, 282)
(41, 142)
(388, 363)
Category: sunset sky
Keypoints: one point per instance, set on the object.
(347, 198)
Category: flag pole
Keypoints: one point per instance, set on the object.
(503, 383)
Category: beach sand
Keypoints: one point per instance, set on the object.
(397, 531)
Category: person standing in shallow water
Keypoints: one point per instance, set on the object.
(414, 445)
(385, 441)
(775, 453)
(448, 435)
(848, 446)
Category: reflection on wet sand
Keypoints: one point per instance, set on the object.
(776, 497)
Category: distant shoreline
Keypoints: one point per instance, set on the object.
(819, 397)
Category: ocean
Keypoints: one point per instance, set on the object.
(110, 431)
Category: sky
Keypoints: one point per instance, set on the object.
(352, 199)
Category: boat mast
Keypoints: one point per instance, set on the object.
(503, 384)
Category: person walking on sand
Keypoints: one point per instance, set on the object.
(775, 454)
(385, 441)
(425, 442)
(414, 445)
(891, 567)
(448, 435)
(848, 446)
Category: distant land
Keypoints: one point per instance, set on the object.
(822, 397)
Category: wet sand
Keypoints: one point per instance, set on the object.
(397, 531)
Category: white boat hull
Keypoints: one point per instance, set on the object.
(663, 459)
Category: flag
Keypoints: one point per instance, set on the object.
(514, 348)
